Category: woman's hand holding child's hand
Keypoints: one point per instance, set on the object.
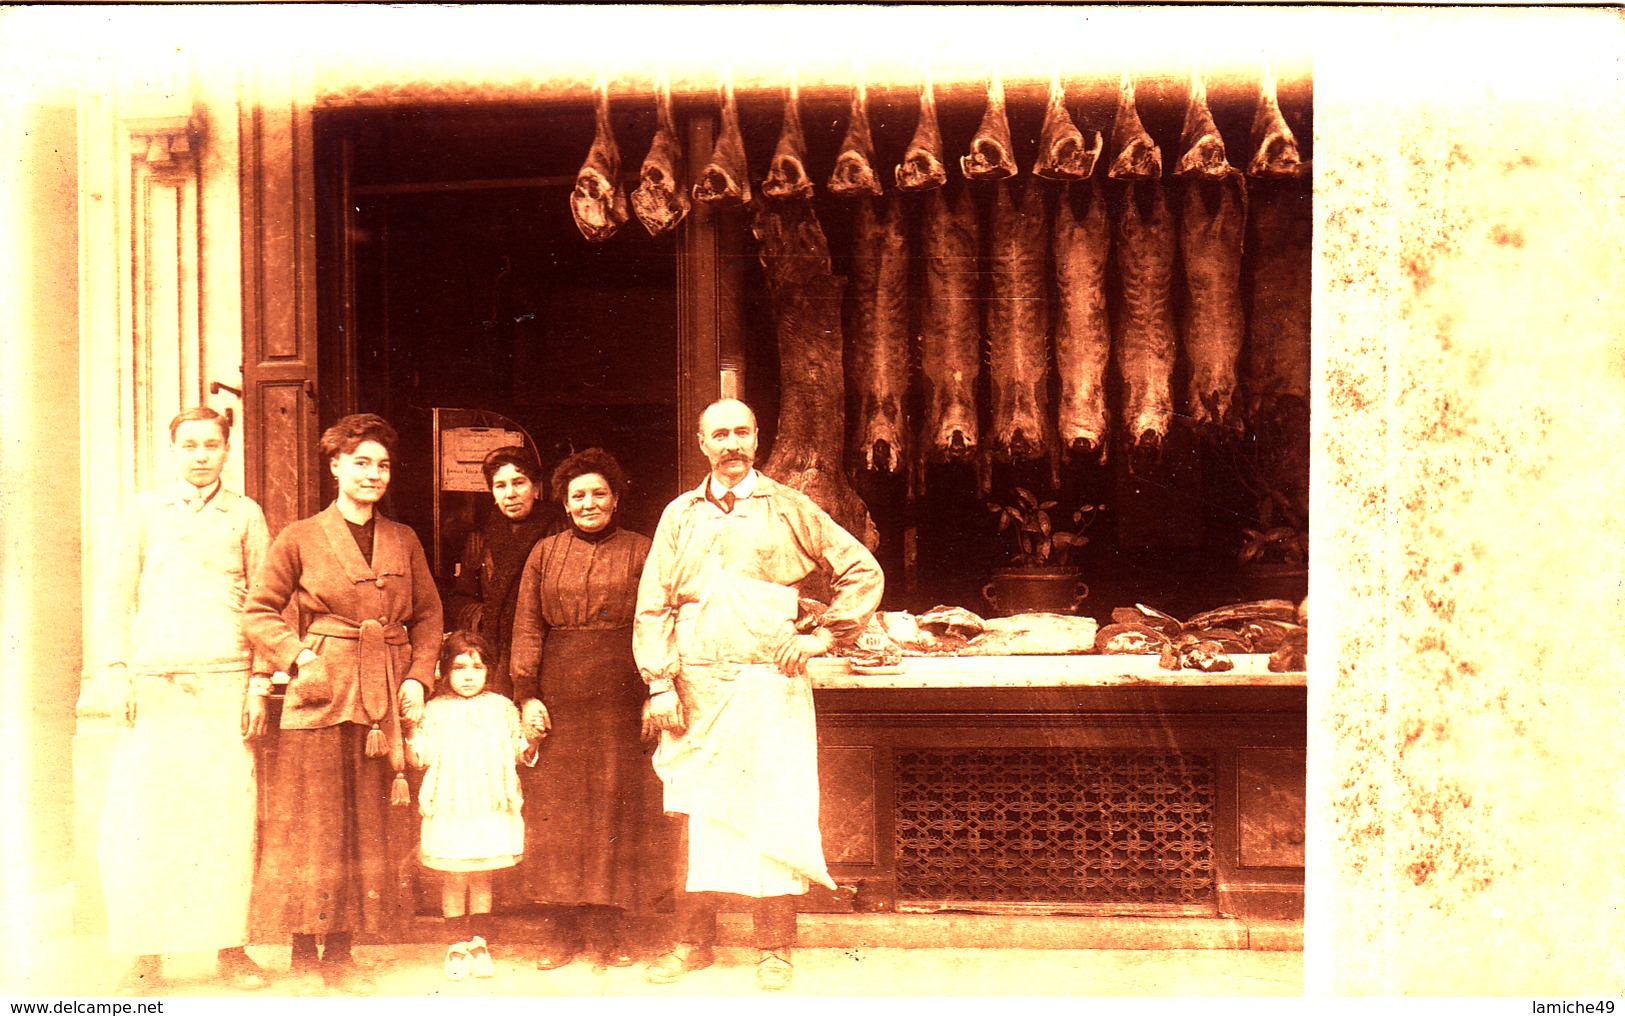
(537, 722)
(411, 701)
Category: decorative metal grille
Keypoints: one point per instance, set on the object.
(1057, 826)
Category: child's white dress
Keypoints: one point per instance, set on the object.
(470, 799)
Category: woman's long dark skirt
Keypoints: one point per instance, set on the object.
(324, 853)
(595, 832)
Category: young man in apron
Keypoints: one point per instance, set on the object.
(177, 845)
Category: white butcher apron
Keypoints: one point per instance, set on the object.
(177, 836)
(745, 770)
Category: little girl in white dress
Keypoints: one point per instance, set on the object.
(468, 741)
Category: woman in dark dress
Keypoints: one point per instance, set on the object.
(593, 817)
(487, 588)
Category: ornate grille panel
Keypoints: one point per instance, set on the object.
(1059, 826)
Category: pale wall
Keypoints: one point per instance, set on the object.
(39, 422)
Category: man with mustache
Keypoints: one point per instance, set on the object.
(717, 641)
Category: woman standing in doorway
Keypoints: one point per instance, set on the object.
(487, 588)
(593, 819)
(359, 657)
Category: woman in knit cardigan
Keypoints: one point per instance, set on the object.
(359, 657)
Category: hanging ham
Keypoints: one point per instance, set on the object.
(1018, 324)
(1145, 259)
(854, 163)
(724, 179)
(990, 147)
(1063, 153)
(1081, 244)
(660, 201)
(1275, 150)
(598, 204)
(921, 168)
(1212, 225)
(806, 299)
(950, 328)
(787, 175)
(879, 336)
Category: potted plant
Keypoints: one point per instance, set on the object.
(1273, 467)
(1040, 577)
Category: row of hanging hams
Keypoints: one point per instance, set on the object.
(1228, 335)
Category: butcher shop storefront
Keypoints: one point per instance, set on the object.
(1035, 329)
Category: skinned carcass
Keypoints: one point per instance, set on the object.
(1145, 347)
(950, 327)
(1080, 241)
(806, 299)
(878, 338)
(1282, 230)
(1212, 227)
(1018, 325)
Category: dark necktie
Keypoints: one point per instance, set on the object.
(728, 500)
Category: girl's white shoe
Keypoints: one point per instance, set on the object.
(479, 958)
(457, 960)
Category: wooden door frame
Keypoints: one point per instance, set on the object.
(289, 310)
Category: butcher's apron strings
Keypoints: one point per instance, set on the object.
(376, 675)
(589, 627)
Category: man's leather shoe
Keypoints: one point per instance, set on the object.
(145, 977)
(304, 979)
(238, 970)
(556, 955)
(345, 977)
(683, 958)
(773, 970)
(612, 955)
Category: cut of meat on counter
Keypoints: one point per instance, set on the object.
(1018, 325)
(1212, 226)
(991, 155)
(950, 332)
(598, 204)
(1281, 236)
(955, 631)
(787, 174)
(724, 178)
(660, 201)
(806, 300)
(1081, 244)
(1145, 257)
(1207, 641)
(1063, 153)
(855, 162)
(922, 168)
(878, 337)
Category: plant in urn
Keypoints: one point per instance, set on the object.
(1039, 577)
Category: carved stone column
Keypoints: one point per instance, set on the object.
(142, 290)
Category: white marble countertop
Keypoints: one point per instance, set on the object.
(1083, 671)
